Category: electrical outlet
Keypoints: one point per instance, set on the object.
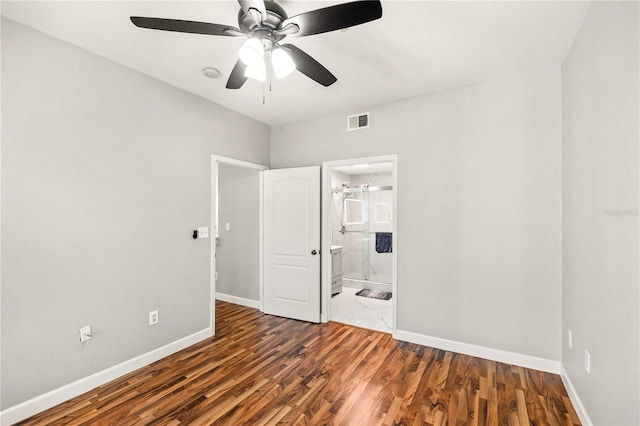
(85, 333)
(153, 317)
(587, 361)
(570, 338)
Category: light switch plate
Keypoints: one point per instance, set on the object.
(587, 361)
(203, 232)
(85, 333)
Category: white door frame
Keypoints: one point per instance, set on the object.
(327, 166)
(215, 161)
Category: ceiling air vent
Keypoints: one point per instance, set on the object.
(358, 121)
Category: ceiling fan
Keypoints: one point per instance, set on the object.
(266, 23)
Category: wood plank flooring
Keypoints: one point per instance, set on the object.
(265, 370)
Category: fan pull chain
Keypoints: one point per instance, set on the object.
(270, 67)
(264, 85)
(269, 76)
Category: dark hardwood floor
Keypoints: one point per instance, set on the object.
(265, 370)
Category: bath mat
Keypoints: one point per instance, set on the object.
(374, 294)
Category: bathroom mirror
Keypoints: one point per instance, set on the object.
(352, 212)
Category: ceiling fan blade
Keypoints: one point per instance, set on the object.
(310, 67)
(335, 17)
(181, 26)
(237, 77)
(257, 5)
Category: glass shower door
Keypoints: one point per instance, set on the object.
(379, 264)
(367, 211)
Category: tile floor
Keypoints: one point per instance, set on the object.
(348, 308)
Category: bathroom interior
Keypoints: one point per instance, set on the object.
(361, 236)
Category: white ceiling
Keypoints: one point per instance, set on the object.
(417, 47)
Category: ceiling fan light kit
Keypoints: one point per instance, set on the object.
(266, 23)
(252, 55)
(282, 63)
(257, 72)
(251, 52)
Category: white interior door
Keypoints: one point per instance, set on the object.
(292, 243)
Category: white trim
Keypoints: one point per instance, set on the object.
(215, 160)
(513, 358)
(325, 243)
(238, 300)
(327, 166)
(239, 163)
(212, 242)
(52, 398)
(261, 242)
(394, 254)
(575, 399)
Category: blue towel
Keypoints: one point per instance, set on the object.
(383, 242)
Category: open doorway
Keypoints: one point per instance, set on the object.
(237, 240)
(360, 238)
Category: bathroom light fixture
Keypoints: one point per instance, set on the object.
(361, 166)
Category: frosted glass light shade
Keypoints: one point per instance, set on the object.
(251, 52)
(256, 72)
(282, 63)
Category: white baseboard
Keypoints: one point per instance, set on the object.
(64, 393)
(528, 361)
(575, 399)
(238, 300)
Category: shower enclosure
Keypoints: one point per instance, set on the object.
(364, 232)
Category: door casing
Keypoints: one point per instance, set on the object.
(215, 161)
(327, 166)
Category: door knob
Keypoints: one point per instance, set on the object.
(314, 252)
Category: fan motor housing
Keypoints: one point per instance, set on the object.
(275, 16)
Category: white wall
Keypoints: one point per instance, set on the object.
(105, 173)
(479, 206)
(600, 299)
(237, 254)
